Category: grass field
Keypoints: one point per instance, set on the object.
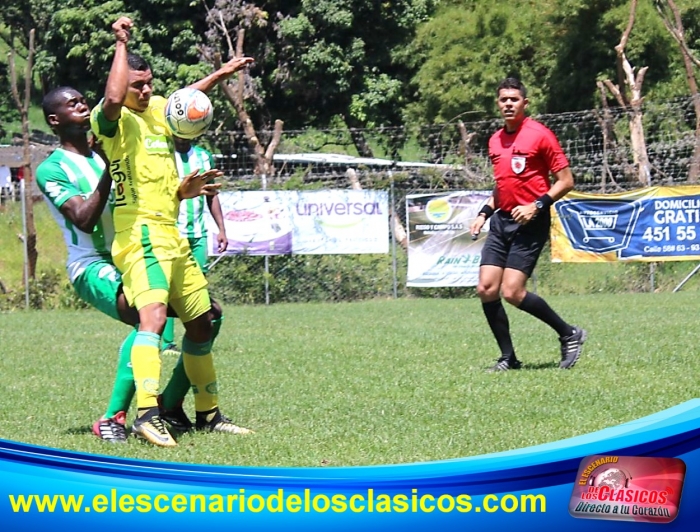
(378, 382)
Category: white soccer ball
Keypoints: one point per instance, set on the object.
(188, 113)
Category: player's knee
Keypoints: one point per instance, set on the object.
(152, 318)
(486, 291)
(513, 294)
(199, 329)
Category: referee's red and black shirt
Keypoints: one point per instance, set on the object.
(522, 162)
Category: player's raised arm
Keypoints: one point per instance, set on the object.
(226, 71)
(118, 80)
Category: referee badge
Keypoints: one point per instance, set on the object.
(517, 164)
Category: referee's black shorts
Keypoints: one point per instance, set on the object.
(511, 245)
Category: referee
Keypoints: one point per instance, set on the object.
(524, 153)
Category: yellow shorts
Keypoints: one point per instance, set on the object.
(157, 266)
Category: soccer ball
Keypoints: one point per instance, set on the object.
(188, 113)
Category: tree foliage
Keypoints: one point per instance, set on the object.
(559, 48)
(362, 62)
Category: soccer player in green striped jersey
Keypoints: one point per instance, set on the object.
(191, 220)
(78, 191)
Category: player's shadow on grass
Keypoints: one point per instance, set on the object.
(539, 365)
(78, 431)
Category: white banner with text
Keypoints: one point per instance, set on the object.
(318, 222)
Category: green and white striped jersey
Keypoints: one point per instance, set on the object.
(64, 175)
(191, 221)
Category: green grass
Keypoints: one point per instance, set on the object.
(378, 382)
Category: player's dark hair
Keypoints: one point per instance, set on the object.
(53, 100)
(136, 62)
(512, 83)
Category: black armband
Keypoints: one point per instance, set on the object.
(545, 200)
(487, 211)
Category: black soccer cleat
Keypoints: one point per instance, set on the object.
(571, 347)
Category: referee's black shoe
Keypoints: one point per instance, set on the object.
(505, 363)
(571, 347)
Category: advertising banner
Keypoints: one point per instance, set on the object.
(333, 222)
(257, 223)
(652, 224)
(441, 251)
(637, 474)
(279, 222)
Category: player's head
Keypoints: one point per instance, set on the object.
(512, 83)
(511, 97)
(66, 111)
(182, 145)
(140, 83)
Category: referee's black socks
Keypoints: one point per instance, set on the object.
(538, 307)
(500, 326)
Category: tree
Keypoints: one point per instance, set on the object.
(23, 106)
(242, 17)
(79, 44)
(467, 48)
(347, 59)
(627, 80)
(671, 17)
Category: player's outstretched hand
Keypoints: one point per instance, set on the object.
(236, 64)
(196, 184)
(121, 29)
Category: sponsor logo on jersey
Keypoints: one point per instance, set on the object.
(156, 144)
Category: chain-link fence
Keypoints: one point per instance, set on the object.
(597, 143)
(452, 156)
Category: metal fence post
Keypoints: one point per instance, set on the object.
(22, 191)
(263, 180)
(394, 268)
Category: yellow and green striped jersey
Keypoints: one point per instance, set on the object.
(140, 149)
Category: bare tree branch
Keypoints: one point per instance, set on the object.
(615, 91)
(275, 141)
(633, 104)
(676, 29)
(23, 107)
(628, 29)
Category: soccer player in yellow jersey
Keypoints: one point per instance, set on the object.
(156, 262)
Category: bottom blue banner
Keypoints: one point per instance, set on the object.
(629, 476)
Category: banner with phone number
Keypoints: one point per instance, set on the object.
(651, 224)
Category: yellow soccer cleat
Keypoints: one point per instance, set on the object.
(152, 429)
(215, 421)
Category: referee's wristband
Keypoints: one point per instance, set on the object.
(487, 211)
(545, 200)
